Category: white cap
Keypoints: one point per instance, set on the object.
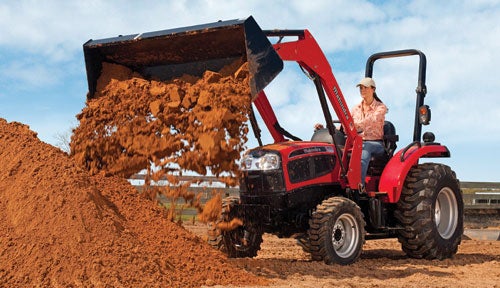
(367, 82)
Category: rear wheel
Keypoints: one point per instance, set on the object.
(237, 243)
(337, 232)
(431, 212)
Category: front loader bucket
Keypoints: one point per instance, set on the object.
(169, 54)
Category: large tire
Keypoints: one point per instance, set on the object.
(214, 238)
(431, 211)
(238, 243)
(337, 231)
(304, 242)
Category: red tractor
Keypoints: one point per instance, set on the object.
(307, 189)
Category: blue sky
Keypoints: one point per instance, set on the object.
(43, 79)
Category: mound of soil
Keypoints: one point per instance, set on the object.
(60, 226)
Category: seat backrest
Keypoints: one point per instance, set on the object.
(390, 138)
(322, 135)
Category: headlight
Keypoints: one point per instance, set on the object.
(246, 163)
(268, 161)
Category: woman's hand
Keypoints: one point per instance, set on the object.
(318, 126)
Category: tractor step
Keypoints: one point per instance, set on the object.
(388, 232)
(377, 194)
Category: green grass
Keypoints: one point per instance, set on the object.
(183, 212)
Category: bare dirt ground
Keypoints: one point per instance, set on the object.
(382, 264)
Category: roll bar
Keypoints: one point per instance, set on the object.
(421, 88)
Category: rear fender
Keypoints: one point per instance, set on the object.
(394, 174)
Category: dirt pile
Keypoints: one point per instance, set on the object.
(62, 227)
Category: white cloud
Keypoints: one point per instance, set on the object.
(27, 73)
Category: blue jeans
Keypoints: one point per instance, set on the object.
(370, 148)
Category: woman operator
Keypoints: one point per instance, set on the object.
(368, 117)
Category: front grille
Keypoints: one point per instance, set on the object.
(255, 183)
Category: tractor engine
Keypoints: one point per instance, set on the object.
(282, 184)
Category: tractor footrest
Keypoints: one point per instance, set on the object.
(377, 194)
(384, 232)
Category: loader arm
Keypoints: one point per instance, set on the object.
(267, 113)
(307, 53)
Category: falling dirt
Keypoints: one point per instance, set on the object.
(212, 209)
(188, 124)
(62, 227)
(231, 225)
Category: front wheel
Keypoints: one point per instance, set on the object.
(430, 211)
(337, 232)
(243, 241)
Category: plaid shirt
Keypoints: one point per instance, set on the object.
(370, 123)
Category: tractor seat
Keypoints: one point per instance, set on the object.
(378, 163)
(322, 135)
